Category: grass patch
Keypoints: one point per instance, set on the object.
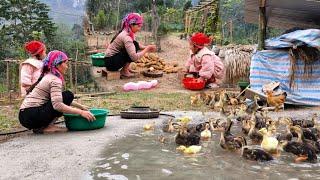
(9, 118)
(162, 101)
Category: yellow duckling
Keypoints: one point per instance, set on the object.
(148, 127)
(206, 134)
(184, 120)
(268, 143)
(189, 150)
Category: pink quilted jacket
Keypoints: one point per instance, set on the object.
(207, 64)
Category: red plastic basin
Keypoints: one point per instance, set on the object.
(193, 83)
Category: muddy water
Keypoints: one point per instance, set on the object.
(142, 156)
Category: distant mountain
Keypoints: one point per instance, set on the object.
(66, 11)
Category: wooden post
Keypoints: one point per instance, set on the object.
(231, 31)
(186, 22)
(156, 23)
(118, 16)
(70, 74)
(76, 73)
(8, 77)
(262, 24)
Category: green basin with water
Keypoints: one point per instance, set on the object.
(75, 122)
(98, 59)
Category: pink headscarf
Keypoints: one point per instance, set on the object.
(53, 59)
(131, 18)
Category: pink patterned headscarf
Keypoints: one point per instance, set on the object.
(52, 60)
(131, 18)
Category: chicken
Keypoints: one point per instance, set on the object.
(276, 101)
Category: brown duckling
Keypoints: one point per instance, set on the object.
(186, 138)
(162, 139)
(287, 135)
(245, 126)
(254, 133)
(255, 154)
(229, 141)
(169, 126)
(314, 143)
(304, 150)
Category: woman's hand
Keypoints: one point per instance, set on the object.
(88, 115)
(151, 48)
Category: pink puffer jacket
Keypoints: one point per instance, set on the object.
(207, 64)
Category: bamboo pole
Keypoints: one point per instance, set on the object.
(262, 24)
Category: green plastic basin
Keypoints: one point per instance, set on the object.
(98, 59)
(75, 122)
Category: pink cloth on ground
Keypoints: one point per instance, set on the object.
(207, 64)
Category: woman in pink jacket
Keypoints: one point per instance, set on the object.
(31, 68)
(203, 63)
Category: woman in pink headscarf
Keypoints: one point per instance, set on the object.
(123, 48)
(45, 101)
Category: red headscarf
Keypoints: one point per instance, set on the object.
(34, 47)
(200, 40)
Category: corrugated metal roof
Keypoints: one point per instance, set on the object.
(286, 13)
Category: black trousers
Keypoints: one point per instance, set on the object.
(119, 60)
(42, 116)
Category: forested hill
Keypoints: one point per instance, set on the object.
(66, 11)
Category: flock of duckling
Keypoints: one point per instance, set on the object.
(285, 134)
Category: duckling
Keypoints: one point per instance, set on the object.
(195, 99)
(314, 143)
(229, 141)
(189, 150)
(169, 126)
(255, 154)
(287, 135)
(254, 134)
(162, 139)
(222, 100)
(245, 126)
(304, 150)
(186, 138)
(225, 114)
(206, 134)
(184, 120)
(241, 113)
(269, 143)
(148, 127)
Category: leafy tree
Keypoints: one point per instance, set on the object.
(100, 20)
(20, 19)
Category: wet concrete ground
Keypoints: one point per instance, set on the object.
(69, 155)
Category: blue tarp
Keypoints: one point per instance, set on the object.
(274, 65)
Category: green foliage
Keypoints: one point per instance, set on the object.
(21, 18)
(100, 21)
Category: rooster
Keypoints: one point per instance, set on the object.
(276, 101)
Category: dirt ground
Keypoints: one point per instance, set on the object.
(173, 50)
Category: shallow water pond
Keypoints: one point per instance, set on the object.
(142, 156)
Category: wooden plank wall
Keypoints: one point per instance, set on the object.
(286, 14)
